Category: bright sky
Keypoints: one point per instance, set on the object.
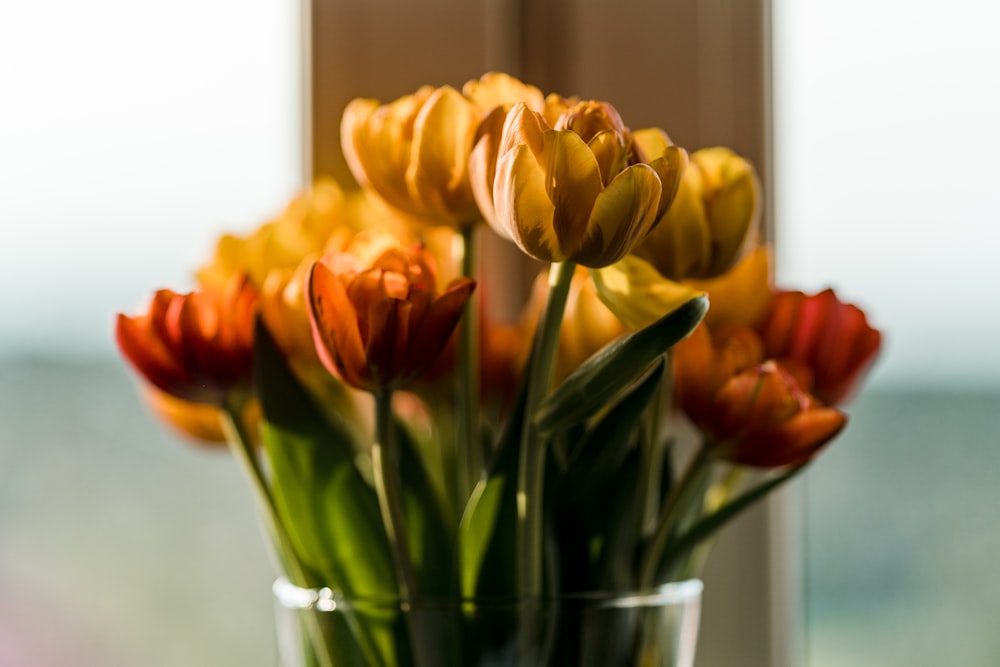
(132, 133)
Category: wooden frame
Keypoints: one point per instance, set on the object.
(698, 68)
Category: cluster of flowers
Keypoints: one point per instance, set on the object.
(405, 440)
(567, 182)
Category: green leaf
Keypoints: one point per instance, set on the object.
(600, 453)
(430, 542)
(329, 510)
(705, 527)
(486, 533)
(601, 377)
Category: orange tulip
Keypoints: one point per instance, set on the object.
(763, 418)
(197, 346)
(753, 411)
(380, 327)
(827, 343)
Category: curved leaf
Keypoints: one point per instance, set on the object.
(601, 377)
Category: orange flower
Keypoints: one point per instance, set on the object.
(828, 344)
(197, 346)
(763, 418)
(381, 327)
(753, 411)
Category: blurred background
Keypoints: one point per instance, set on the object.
(131, 134)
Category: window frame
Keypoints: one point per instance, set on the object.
(753, 603)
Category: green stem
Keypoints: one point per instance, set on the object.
(677, 500)
(469, 443)
(652, 452)
(389, 489)
(241, 445)
(531, 466)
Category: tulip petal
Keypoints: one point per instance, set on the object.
(744, 294)
(522, 126)
(483, 165)
(496, 89)
(573, 183)
(523, 207)
(431, 334)
(386, 339)
(682, 237)
(651, 143)
(637, 294)
(622, 215)
(443, 133)
(335, 326)
(671, 166)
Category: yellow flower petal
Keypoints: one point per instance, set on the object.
(743, 295)
(437, 175)
(523, 206)
(637, 294)
(495, 89)
(573, 183)
(623, 213)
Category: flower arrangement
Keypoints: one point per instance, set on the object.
(404, 442)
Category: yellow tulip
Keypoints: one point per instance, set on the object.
(713, 219)
(576, 190)
(414, 152)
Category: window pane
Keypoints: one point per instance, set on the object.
(885, 144)
(131, 134)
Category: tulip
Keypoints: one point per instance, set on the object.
(197, 347)
(713, 219)
(381, 327)
(753, 411)
(764, 419)
(414, 152)
(576, 191)
(828, 343)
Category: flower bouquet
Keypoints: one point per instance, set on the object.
(443, 485)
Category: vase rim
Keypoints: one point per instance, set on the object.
(327, 599)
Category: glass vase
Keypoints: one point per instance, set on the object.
(655, 628)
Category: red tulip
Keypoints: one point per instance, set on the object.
(197, 347)
(828, 344)
(381, 327)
